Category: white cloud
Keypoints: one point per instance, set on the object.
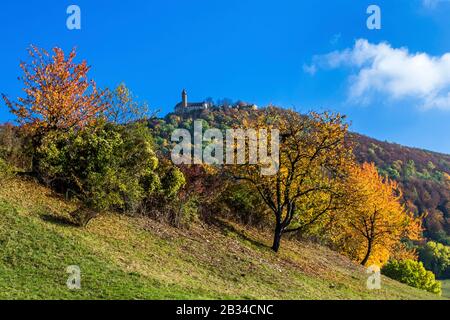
(395, 73)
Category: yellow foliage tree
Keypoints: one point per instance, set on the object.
(312, 161)
(447, 179)
(374, 220)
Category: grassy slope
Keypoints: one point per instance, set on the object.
(446, 288)
(126, 258)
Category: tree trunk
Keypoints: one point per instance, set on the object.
(369, 251)
(277, 237)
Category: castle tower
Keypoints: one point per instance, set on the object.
(184, 98)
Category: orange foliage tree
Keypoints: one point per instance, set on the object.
(375, 221)
(59, 96)
(58, 93)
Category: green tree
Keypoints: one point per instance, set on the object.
(410, 170)
(123, 107)
(436, 257)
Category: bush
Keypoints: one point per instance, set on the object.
(170, 204)
(106, 166)
(180, 212)
(173, 180)
(442, 237)
(6, 170)
(413, 274)
(14, 146)
(245, 206)
(436, 257)
(183, 212)
(113, 167)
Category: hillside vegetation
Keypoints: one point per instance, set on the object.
(130, 184)
(423, 176)
(132, 258)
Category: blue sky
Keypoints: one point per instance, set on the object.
(258, 51)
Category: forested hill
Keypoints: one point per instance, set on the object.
(423, 176)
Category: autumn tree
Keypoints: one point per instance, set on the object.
(446, 178)
(374, 221)
(312, 157)
(123, 107)
(59, 96)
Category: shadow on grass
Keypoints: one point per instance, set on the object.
(227, 227)
(61, 221)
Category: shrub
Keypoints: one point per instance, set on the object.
(106, 166)
(173, 180)
(245, 206)
(436, 257)
(413, 274)
(14, 146)
(169, 204)
(183, 212)
(113, 167)
(442, 237)
(6, 170)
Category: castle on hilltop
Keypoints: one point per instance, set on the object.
(184, 106)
